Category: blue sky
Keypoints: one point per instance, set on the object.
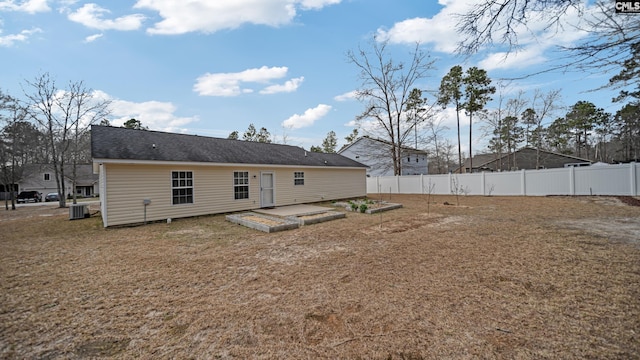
(210, 67)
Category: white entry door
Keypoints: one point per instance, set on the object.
(267, 192)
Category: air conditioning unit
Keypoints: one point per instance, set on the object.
(78, 211)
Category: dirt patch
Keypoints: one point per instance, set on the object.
(492, 277)
(262, 220)
(622, 229)
(630, 200)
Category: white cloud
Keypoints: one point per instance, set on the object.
(517, 60)
(318, 4)
(179, 17)
(93, 38)
(447, 117)
(289, 86)
(90, 15)
(156, 115)
(23, 36)
(439, 31)
(231, 84)
(351, 95)
(29, 6)
(308, 118)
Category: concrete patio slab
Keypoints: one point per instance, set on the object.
(294, 210)
(264, 223)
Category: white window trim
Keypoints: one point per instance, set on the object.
(193, 186)
(248, 184)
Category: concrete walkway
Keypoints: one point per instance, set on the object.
(291, 210)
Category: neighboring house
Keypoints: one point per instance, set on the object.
(41, 178)
(150, 175)
(376, 154)
(525, 158)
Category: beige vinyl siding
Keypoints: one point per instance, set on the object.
(319, 184)
(127, 185)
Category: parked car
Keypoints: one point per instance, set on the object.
(26, 196)
(52, 197)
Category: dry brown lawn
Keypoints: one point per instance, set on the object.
(495, 277)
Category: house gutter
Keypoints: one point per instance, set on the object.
(195, 163)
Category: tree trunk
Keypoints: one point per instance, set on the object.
(470, 153)
(459, 147)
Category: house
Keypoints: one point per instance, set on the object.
(151, 175)
(41, 178)
(524, 158)
(376, 154)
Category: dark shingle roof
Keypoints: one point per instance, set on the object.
(128, 144)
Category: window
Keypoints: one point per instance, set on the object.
(298, 178)
(240, 185)
(182, 187)
(47, 177)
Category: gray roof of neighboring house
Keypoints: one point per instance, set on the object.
(372, 140)
(481, 160)
(84, 172)
(129, 144)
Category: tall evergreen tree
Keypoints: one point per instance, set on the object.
(352, 137)
(329, 143)
(477, 90)
(250, 134)
(450, 92)
(233, 135)
(264, 136)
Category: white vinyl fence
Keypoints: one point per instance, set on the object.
(622, 179)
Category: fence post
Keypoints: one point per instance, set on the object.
(450, 179)
(523, 182)
(422, 184)
(572, 180)
(634, 188)
(398, 184)
(482, 183)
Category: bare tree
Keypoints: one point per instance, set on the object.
(13, 144)
(489, 22)
(82, 109)
(493, 125)
(64, 115)
(447, 154)
(434, 138)
(511, 129)
(385, 89)
(43, 108)
(607, 46)
(544, 107)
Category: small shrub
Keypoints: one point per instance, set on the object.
(354, 206)
(363, 208)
